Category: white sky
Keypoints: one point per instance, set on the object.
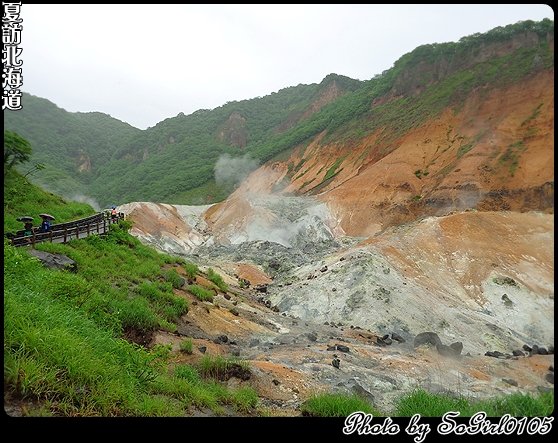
(144, 63)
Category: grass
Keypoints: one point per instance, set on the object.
(436, 405)
(335, 405)
(217, 279)
(191, 269)
(216, 366)
(201, 293)
(23, 198)
(64, 346)
(186, 346)
(174, 278)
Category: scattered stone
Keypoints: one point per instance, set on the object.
(551, 349)
(276, 382)
(363, 393)
(543, 351)
(235, 303)
(312, 336)
(527, 348)
(534, 350)
(326, 323)
(194, 303)
(427, 338)
(227, 296)
(395, 336)
(551, 368)
(333, 289)
(549, 377)
(332, 348)
(342, 259)
(236, 352)
(54, 261)
(233, 312)
(275, 308)
(335, 362)
(202, 349)
(507, 300)
(284, 314)
(384, 341)
(323, 269)
(342, 348)
(221, 339)
(232, 343)
(518, 353)
(457, 347)
(510, 381)
(495, 354)
(261, 288)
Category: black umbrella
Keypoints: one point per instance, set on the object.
(51, 217)
(25, 218)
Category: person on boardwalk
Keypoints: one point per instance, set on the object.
(28, 229)
(113, 214)
(45, 225)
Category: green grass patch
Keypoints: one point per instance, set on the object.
(217, 279)
(186, 346)
(336, 405)
(436, 405)
(191, 269)
(174, 278)
(218, 367)
(201, 293)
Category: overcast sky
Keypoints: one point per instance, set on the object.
(144, 63)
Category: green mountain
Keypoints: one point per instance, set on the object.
(174, 161)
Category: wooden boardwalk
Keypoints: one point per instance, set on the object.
(64, 232)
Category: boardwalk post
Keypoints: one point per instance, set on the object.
(51, 236)
(88, 229)
(65, 235)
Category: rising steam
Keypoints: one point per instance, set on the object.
(230, 171)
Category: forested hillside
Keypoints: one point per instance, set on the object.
(174, 161)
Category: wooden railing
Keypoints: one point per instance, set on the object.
(64, 232)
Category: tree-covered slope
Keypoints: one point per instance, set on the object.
(174, 161)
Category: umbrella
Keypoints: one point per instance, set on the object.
(51, 217)
(25, 218)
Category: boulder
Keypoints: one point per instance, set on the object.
(342, 348)
(457, 347)
(430, 338)
(55, 261)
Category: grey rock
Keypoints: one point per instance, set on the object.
(335, 363)
(457, 347)
(543, 351)
(395, 336)
(276, 382)
(549, 377)
(342, 348)
(518, 353)
(510, 381)
(54, 261)
(202, 349)
(551, 368)
(312, 336)
(430, 338)
(527, 348)
(363, 393)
